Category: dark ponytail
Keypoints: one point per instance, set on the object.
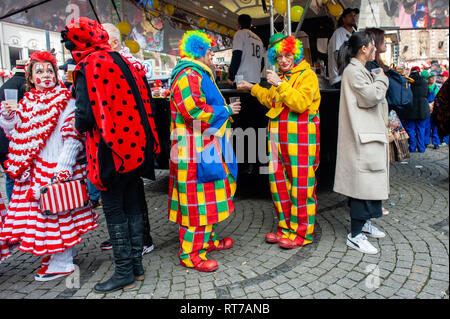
(350, 49)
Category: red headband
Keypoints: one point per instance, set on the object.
(43, 56)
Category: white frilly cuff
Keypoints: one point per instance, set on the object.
(8, 123)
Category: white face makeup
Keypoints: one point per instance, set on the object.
(285, 61)
(208, 58)
(43, 76)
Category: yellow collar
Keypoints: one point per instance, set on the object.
(202, 65)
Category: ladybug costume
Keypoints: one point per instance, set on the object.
(114, 98)
(113, 108)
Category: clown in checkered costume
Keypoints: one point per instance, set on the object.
(293, 130)
(203, 167)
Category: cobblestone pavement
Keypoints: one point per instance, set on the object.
(413, 261)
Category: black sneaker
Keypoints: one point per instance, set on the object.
(106, 245)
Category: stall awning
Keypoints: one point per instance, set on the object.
(10, 8)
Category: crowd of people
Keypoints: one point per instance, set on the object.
(99, 127)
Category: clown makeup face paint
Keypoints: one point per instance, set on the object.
(285, 61)
(208, 58)
(43, 75)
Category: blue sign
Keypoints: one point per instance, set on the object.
(149, 65)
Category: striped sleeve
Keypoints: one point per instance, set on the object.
(190, 100)
(67, 128)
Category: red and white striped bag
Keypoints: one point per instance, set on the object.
(60, 197)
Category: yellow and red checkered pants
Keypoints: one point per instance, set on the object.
(294, 157)
(194, 242)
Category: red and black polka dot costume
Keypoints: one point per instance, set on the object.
(114, 103)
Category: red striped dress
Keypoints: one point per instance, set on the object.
(24, 224)
(4, 248)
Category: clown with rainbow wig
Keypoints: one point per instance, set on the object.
(203, 168)
(293, 103)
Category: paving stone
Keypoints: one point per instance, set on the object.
(252, 269)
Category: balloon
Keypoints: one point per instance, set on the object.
(169, 9)
(124, 27)
(335, 9)
(133, 46)
(202, 22)
(223, 30)
(280, 5)
(212, 25)
(296, 13)
(156, 5)
(231, 32)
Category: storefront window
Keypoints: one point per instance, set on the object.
(14, 55)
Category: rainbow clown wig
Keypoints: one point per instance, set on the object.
(195, 43)
(286, 44)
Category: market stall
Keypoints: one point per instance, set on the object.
(151, 30)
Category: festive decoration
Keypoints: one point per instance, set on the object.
(223, 30)
(133, 46)
(296, 13)
(157, 83)
(169, 9)
(231, 33)
(156, 5)
(6, 73)
(286, 45)
(212, 25)
(335, 9)
(124, 27)
(202, 22)
(195, 43)
(280, 5)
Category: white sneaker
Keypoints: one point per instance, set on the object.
(147, 249)
(360, 243)
(371, 231)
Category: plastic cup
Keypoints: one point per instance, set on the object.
(11, 97)
(70, 69)
(237, 79)
(234, 99)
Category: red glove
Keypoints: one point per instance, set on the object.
(63, 176)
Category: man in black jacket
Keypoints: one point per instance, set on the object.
(17, 82)
(416, 115)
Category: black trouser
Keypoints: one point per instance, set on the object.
(361, 211)
(336, 85)
(122, 199)
(148, 241)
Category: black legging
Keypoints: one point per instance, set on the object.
(148, 241)
(123, 198)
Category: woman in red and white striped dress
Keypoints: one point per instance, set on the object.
(43, 144)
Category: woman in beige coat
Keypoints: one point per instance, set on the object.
(362, 165)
